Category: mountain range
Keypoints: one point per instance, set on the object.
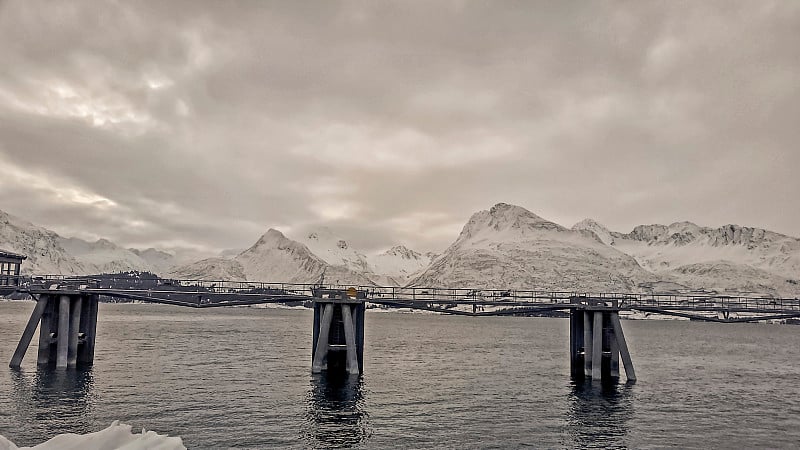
(505, 247)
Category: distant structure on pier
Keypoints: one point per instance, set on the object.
(10, 264)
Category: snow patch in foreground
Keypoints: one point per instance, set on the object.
(116, 437)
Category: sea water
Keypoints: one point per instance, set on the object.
(240, 377)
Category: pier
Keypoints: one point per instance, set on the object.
(66, 313)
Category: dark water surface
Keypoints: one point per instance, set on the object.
(240, 377)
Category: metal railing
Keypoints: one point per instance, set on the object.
(247, 290)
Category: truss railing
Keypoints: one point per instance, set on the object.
(412, 296)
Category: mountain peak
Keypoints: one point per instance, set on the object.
(588, 224)
(594, 229)
(271, 237)
(6, 218)
(403, 252)
(509, 210)
(105, 243)
(506, 218)
(684, 226)
(273, 241)
(504, 214)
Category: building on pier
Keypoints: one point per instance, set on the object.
(10, 264)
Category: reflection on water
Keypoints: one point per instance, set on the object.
(335, 415)
(61, 399)
(599, 413)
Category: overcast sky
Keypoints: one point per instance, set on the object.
(203, 124)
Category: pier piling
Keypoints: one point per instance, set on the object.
(338, 335)
(47, 325)
(27, 335)
(63, 332)
(67, 327)
(587, 343)
(594, 324)
(74, 326)
(87, 330)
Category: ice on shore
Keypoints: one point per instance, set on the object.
(118, 436)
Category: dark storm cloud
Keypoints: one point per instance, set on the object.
(203, 124)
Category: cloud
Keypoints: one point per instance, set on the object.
(203, 124)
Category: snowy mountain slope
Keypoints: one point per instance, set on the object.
(103, 256)
(594, 229)
(510, 247)
(659, 247)
(50, 254)
(43, 247)
(393, 267)
(504, 247)
(276, 258)
(662, 248)
(211, 269)
(160, 261)
(730, 258)
(400, 263)
(335, 250)
(231, 253)
(725, 277)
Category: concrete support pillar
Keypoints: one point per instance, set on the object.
(613, 346)
(47, 327)
(74, 330)
(598, 329)
(67, 330)
(597, 345)
(338, 338)
(587, 342)
(322, 335)
(27, 334)
(350, 339)
(87, 328)
(63, 332)
(576, 331)
(623, 348)
(358, 317)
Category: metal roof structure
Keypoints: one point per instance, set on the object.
(12, 255)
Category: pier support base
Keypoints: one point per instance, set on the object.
(597, 341)
(338, 339)
(67, 328)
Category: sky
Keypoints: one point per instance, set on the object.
(197, 124)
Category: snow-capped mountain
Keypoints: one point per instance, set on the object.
(273, 258)
(210, 269)
(231, 252)
(335, 250)
(276, 258)
(393, 267)
(43, 247)
(50, 254)
(730, 258)
(660, 247)
(505, 247)
(594, 229)
(103, 256)
(400, 262)
(510, 247)
(727, 277)
(160, 261)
